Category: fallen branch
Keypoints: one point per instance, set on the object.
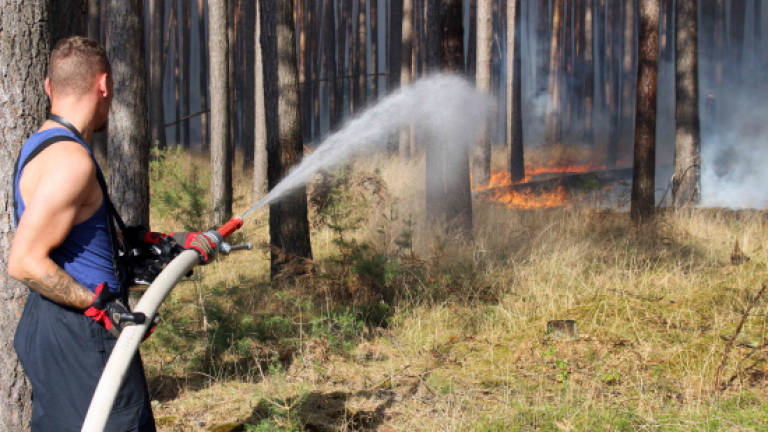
(729, 345)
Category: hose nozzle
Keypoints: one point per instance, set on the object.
(231, 226)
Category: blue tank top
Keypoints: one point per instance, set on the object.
(86, 254)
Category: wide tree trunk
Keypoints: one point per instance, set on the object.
(553, 127)
(156, 60)
(128, 138)
(406, 56)
(288, 223)
(686, 187)
(247, 82)
(204, 116)
(221, 155)
(449, 199)
(514, 92)
(24, 51)
(644, 170)
(481, 157)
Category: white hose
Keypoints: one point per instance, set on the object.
(129, 340)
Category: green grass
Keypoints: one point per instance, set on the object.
(402, 328)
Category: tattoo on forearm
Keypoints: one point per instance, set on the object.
(59, 287)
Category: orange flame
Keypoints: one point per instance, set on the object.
(529, 199)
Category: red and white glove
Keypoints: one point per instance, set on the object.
(108, 310)
(204, 243)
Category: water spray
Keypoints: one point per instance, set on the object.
(445, 107)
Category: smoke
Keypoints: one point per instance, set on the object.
(445, 108)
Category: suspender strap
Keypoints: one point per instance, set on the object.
(113, 216)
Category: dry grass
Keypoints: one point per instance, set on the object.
(463, 346)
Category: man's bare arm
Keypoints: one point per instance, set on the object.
(57, 187)
(59, 287)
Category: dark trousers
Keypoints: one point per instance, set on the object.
(63, 353)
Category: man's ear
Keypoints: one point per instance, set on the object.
(105, 89)
(48, 87)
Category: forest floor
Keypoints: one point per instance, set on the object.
(401, 328)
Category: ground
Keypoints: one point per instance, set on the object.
(402, 328)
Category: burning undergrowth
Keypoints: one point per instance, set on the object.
(559, 177)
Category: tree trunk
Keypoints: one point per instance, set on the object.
(629, 69)
(406, 53)
(472, 40)
(260, 131)
(589, 72)
(449, 198)
(317, 56)
(514, 92)
(644, 169)
(481, 160)
(24, 51)
(248, 94)
(395, 44)
(204, 116)
(612, 80)
(128, 138)
(686, 187)
(68, 18)
(553, 120)
(432, 50)
(177, 24)
(288, 224)
(544, 35)
(156, 115)
(186, 40)
(232, 23)
(361, 73)
(94, 19)
(221, 155)
(373, 18)
(331, 67)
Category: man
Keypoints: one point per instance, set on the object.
(66, 251)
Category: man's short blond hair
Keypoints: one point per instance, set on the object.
(75, 63)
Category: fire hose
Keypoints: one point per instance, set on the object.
(131, 336)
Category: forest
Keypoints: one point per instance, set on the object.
(466, 215)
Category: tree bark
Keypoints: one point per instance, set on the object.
(221, 155)
(553, 121)
(514, 93)
(128, 138)
(589, 72)
(94, 19)
(156, 115)
(68, 18)
(288, 223)
(331, 67)
(406, 54)
(644, 170)
(204, 116)
(247, 82)
(232, 23)
(449, 199)
(373, 18)
(260, 131)
(361, 72)
(186, 41)
(686, 185)
(472, 40)
(481, 160)
(24, 50)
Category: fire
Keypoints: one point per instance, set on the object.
(530, 199)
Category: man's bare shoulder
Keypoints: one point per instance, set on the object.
(64, 164)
